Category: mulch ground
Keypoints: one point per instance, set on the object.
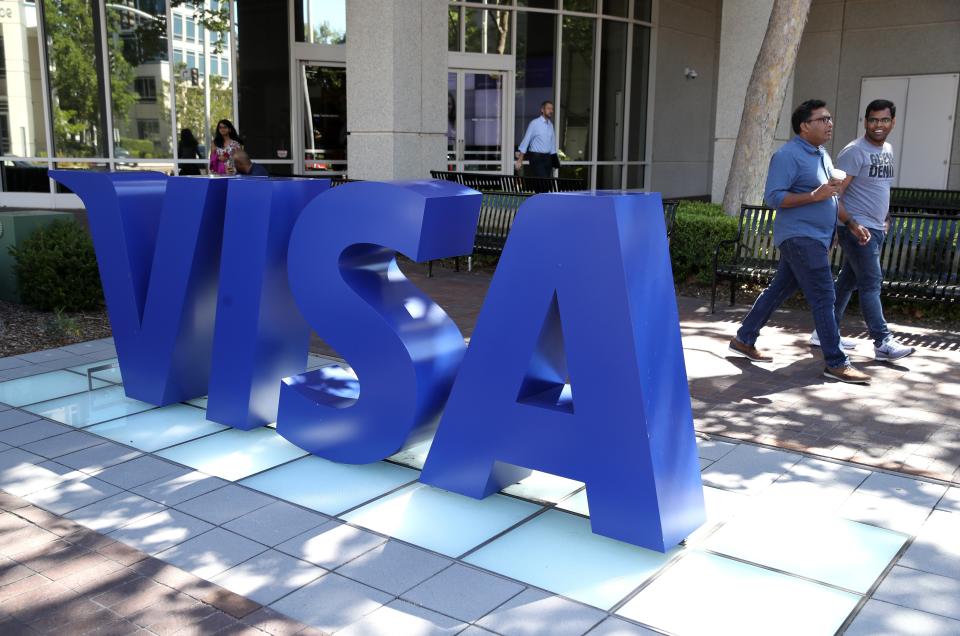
(23, 330)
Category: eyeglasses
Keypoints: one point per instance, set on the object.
(825, 119)
(879, 120)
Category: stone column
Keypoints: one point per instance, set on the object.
(396, 88)
(742, 28)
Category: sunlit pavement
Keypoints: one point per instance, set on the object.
(794, 543)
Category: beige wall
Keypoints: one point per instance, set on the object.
(847, 40)
(682, 155)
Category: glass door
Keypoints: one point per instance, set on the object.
(476, 103)
(324, 118)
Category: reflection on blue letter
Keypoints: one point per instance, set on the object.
(401, 345)
(157, 240)
(584, 279)
(261, 337)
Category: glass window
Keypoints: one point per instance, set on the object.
(639, 74)
(79, 126)
(325, 118)
(536, 61)
(191, 30)
(616, 7)
(612, 86)
(146, 88)
(177, 57)
(641, 10)
(21, 102)
(137, 46)
(203, 65)
(609, 177)
(177, 26)
(576, 88)
(453, 30)
(538, 4)
(225, 67)
(191, 59)
(587, 6)
(488, 30)
(635, 176)
(321, 21)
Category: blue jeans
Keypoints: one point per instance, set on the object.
(861, 272)
(805, 265)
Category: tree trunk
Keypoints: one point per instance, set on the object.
(763, 103)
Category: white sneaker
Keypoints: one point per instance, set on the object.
(890, 349)
(845, 343)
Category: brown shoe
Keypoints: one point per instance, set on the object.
(751, 353)
(846, 374)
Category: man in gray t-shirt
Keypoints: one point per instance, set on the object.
(864, 206)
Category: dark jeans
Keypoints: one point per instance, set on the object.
(861, 272)
(541, 165)
(805, 265)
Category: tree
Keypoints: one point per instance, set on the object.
(763, 103)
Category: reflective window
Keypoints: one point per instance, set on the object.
(635, 176)
(321, 21)
(576, 88)
(538, 4)
(137, 45)
(453, 29)
(325, 118)
(21, 103)
(536, 61)
(79, 128)
(191, 30)
(488, 30)
(587, 6)
(609, 177)
(612, 86)
(641, 10)
(639, 75)
(616, 7)
(177, 27)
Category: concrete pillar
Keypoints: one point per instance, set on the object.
(742, 27)
(396, 88)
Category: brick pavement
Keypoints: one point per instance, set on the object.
(57, 576)
(908, 420)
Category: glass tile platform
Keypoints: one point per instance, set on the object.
(766, 561)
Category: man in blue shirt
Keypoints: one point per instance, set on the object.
(800, 187)
(246, 167)
(539, 144)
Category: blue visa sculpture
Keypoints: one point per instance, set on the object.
(575, 367)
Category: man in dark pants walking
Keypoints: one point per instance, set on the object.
(803, 191)
(539, 144)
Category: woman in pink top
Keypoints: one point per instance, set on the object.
(225, 143)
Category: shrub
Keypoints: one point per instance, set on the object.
(698, 229)
(56, 269)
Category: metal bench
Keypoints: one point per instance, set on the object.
(493, 183)
(925, 198)
(920, 257)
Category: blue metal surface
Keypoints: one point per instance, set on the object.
(400, 344)
(584, 279)
(260, 335)
(157, 241)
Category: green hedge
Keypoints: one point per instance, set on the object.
(56, 269)
(698, 229)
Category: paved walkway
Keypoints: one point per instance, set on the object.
(908, 420)
(120, 517)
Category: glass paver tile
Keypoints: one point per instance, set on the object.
(91, 407)
(710, 594)
(438, 520)
(837, 551)
(110, 375)
(415, 456)
(158, 428)
(543, 487)
(42, 387)
(329, 487)
(235, 454)
(557, 552)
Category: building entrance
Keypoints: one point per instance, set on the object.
(477, 102)
(323, 106)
